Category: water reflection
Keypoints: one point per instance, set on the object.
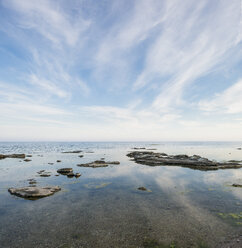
(103, 208)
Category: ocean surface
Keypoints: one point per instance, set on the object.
(103, 208)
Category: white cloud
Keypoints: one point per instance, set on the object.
(49, 19)
(229, 101)
(191, 44)
(47, 85)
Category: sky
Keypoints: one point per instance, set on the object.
(120, 70)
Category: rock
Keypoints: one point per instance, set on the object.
(34, 192)
(58, 161)
(237, 185)
(27, 160)
(46, 174)
(139, 148)
(57, 175)
(78, 151)
(89, 152)
(112, 162)
(77, 175)
(65, 171)
(239, 148)
(41, 171)
(183, 160)
(32, 182)
(142, 188)
(70, 174)
(2, 156)
(98, 164)
(50, 163)
(28, 156)
(80, 156)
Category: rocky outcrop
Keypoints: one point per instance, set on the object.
(33, 193)
(142, 188)
(65, 171)
(194, 162)
(2, 156)
(78, 151)
(237, 185)
(68, 172)
(98, 164)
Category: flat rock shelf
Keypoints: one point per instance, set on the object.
(194, 162)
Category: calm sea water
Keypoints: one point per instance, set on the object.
(103, 208)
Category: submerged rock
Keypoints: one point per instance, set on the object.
(28, 156)
(77, 175)
(78, 151)
(98, 164)
(142, 188)
(27, 160)
(183, 160)
(237, 185)
(45, 174)
(80, 156)
(50, 163)
(65, 171)
(58, 161)
(2, 156)
(34, 192)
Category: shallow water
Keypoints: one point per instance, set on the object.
(103, 208)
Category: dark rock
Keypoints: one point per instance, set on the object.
(32, 182)
(183, 160)
(2, 156)
(98, 164)
(142, 188)
(65, 171)
(34, 192)
(139, 148)
(27, 160)
(50, 163)
(70, 174)
(78, 151)
(239, 148)
(237, 185)
(77, 175)
(28, 156)
(80, 156)
(112, 162)
(58, 161)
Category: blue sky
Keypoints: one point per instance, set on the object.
(120, 70)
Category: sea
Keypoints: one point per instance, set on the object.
(181, 207)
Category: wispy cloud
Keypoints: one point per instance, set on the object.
(229, 101)
(137, 69)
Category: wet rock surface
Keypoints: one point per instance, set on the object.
(77, 151)
(34, 192)
(3, 156)
(183, 160)
(237, 185)
(142, 188)
(68, 172)
(98, 164)
(27, 160)
(65, 171)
